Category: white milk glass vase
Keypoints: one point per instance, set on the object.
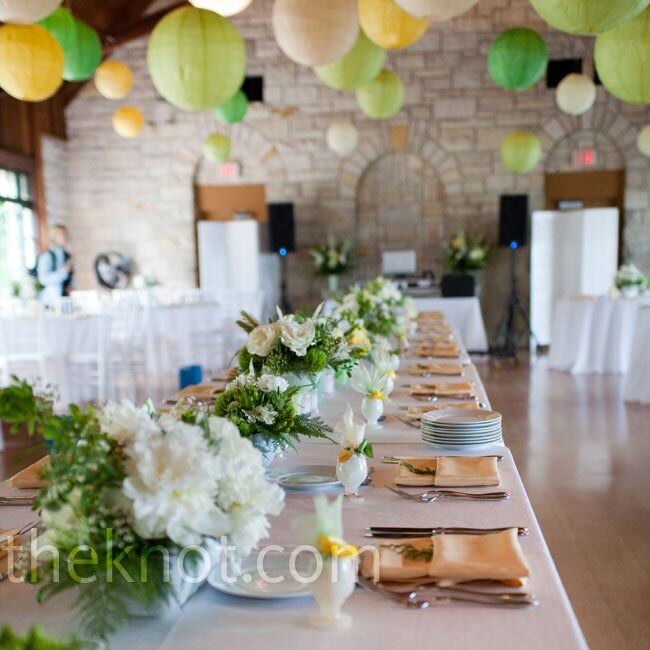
(304, 398)
(331, 588)
(394, 362)
(327, 382)
(372, 409)
(352, 473)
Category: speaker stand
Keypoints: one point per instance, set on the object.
(505, 338)
(284, 300)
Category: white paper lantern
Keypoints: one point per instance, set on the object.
(436, 10)
(314, 32)
(23, 12)
(223, 7)
(575, 94)
(342, 137)
(643, 140)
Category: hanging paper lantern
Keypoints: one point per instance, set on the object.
(32, 62)
(575, 94)
(622, 58)
(342, 137)
(233, 110)
(517, 58)
(382, 97)
(521, 151)
(436, 10)
(26, 11)
(389, 25)
(128, 121)
(643, 140)
(82, 48)
(222, 7)
(587, 16)
(359, 66)
(113, 79)
(216, 147)
(313, 32)
(196, 58)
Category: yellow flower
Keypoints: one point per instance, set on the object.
(358, 338)
(390, 373)
(335, 547)
(376, 394)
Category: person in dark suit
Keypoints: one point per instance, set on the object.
(54, 267)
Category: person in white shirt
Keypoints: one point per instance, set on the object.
(54, 267)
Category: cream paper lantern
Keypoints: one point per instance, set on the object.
(128, 121)
(575, 94)
(223, 7)
(643, 140)
(436, 10)
(342, 137)
(314, 32)
(24, 12)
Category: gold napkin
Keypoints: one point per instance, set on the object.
(445, 353)
(416, 412)
(448, 471)
(203, 392)
(450, 559)
(457, 389)
(430, 315)
(30, 476)
(8, 537)
(436, 369)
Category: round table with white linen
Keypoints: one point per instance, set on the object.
(594, 335)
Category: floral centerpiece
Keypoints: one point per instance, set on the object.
(133, 497)
(331, 260)
(630, 280)
(466, 253)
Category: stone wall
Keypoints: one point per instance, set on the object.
(136, 196)
(54, 153)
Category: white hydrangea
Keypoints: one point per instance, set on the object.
(265, 414)
(122, 420)
(271, 383)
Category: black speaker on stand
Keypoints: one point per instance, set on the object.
(283, 241)
(513, 233)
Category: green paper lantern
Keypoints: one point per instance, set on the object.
(521, 151)
(382, 97)
(587, 16)
(196, 58)
(359, 66)
(81, 45)
(517, 59)
(622, 58)
(232, 110)
(216, 147)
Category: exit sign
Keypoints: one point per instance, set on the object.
(584, 157)
(229, 170)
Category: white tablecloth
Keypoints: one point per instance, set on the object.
(464, 314)
(594, 335)
(214, 619)
(637, 381)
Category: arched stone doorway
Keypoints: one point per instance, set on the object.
(399, 207)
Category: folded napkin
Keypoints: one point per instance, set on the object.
(9, 537)
(458, 389)
(416, 412)
(30, 476)
(448, 559)
(446, 353)
(430, 315)
(436, 369)
(199, 392)
(449, 471)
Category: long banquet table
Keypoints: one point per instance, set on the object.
(212, 619)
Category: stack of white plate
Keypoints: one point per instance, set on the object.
(461, 428)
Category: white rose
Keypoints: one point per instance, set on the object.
(270, 383)
(261, 339)
(296, 336)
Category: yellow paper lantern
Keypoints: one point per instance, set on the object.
(128, 121)
(314, 32)
(113, 79)
(575, 94)
(436, 10)
(342, 137)
(31, 67)
(223, 7)
(389, 25)
(23, 12)
(216, 147)
(521, 151)
(382, 97)
(643, 140)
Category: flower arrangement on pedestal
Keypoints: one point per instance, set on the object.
(130, 487)
(465, 253)
(630, 280)
(331, 260)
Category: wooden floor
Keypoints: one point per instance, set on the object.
(584, 457)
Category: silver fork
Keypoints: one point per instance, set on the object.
(410, 600)
(433, 495)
